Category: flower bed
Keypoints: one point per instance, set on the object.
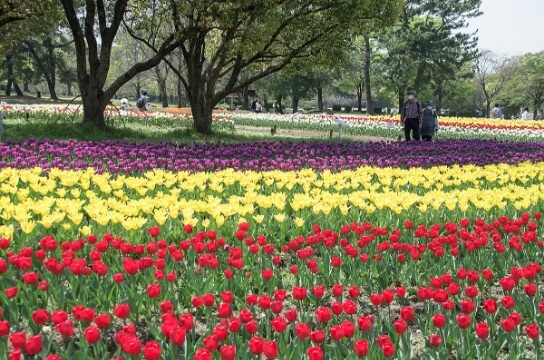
(125, 157)
(282, 250)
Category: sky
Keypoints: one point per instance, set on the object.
(510, 27)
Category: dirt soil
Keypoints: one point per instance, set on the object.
(305, 134)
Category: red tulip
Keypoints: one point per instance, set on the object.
(508, 324)
(532, 331)
(490, 306)
(303, 330)
(439, 320)
(279, 324)
(407, 313)
(18, 340)
(34, 345)
(92, 334)
(103, 321)
(435, 340)
(256, 345)
(40, 316)
(227, 352)
(270, 349)
(482, 330)
(337, 332)
(154, 232)
(315, 353)
(463, 320)
(317, 336)
(202, 354)
(4, 328)
(323, 314)
(152, 351)
(400, 326)
(65, 328)
(360, 347)
(122, 311)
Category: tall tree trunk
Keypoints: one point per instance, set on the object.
(161, 82)
(138, 88)
(401, 97)
(487, 107)
(278, 98)
(360, 97)
(181, 94)
(245, 98)
(25, 87)
(69, 86)
(202, 113)
(51, 86)
(18, 90)
(294, 104)
(11, 76)
(93, 111)
(320, 98)
(46, 64)
(419, 77)
(266, 107)
(368, 90)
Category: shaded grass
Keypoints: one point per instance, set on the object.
(20, 129)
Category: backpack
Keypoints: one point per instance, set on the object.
(140, 104)
(494, 113)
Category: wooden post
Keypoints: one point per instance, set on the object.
(330, 134)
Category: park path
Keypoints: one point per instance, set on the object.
(304, 134)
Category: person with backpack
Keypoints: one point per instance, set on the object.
(496, 112)
(429, 124)
(411, 116)
(141, 104)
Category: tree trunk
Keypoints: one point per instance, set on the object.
(294, 104)
(69, 86)
(368, 90)
(360, 97)
(401, 98)
(202, 115)
(266, 107)
(419, 77)
(93, 112)
(245, 98)
(9, 62)
(487, 107)
(320, 99)
(180, 94)
(138, 89)
(51, 87)
(161, 82)
(278, 98)
(25, 87)
(18, 90)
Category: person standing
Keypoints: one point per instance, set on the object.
(525, 114)
(496, 112)
(141, 104)
(429, 123)
(411, 116)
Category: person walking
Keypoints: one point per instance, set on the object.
(429, 123)
(411, 116)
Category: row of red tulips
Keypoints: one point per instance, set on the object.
(244, 296)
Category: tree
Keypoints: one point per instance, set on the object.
(259, 37)
(94, 27)
(532, 81)
(45, 54)
(429, 42)
(493, 72)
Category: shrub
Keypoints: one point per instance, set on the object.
(337, 107)
(347, 108)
